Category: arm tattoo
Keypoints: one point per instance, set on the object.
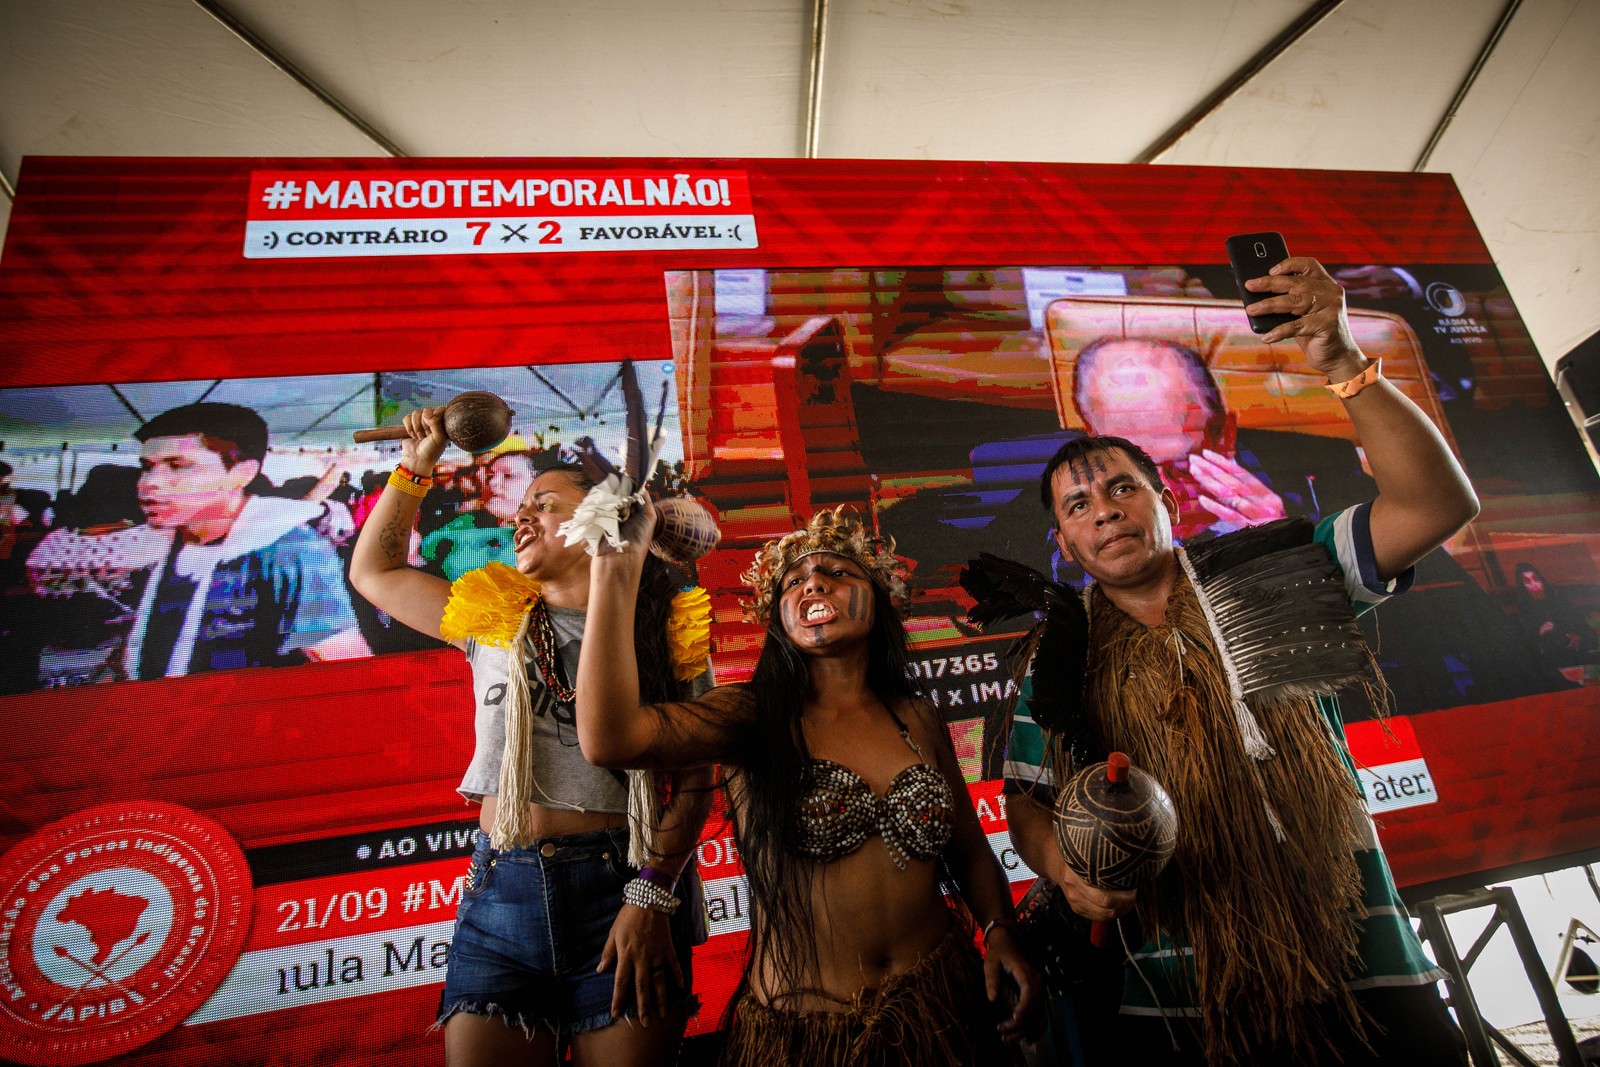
(392, 540)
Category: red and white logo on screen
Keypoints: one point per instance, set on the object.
(117, 923)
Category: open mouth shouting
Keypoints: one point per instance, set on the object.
(817, 612)
(526, 534)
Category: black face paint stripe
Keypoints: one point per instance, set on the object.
(1086, 466)
(858, 603)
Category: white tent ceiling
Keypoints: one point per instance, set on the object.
(1365, 87)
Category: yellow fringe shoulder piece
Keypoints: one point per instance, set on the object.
(487, 605)
(689, 633)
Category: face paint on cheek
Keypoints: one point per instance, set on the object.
(786, 611)
(857, 607)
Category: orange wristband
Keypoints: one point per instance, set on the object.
(1347, 389)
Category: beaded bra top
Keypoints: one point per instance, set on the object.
(839, 811)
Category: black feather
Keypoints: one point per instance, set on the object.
(638, 453)
(1221, 554)
(1057, 646)
(1005, 589)
(596, 466)
(661, 413)
(1059, 665)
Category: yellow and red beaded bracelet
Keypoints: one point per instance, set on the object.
(409, 482)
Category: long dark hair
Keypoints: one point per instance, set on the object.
(1525, 600)
(772, 776)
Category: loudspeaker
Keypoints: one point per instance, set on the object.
(1578, 381)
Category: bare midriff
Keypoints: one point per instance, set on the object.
(872, 920)
(553, 822)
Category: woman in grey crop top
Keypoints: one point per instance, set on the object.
(846, 795)
(546, 957)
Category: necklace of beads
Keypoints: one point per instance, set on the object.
(543, 636)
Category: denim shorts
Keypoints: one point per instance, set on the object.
(530, 928)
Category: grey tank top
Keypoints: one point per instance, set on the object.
(561, 775)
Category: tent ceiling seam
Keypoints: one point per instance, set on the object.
(1489, 46)
(1226, 91)
(258, 45)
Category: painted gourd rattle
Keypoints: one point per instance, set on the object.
(1116, 828)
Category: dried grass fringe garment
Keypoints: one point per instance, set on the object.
(1263, 886)
(934, 1014)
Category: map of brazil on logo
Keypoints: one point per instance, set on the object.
(118, 923)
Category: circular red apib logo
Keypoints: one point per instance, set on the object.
(115, 925)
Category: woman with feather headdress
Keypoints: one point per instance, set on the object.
(846, 798)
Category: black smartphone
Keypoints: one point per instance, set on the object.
(1252, 255)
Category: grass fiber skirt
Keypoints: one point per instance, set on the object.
(934, 1014)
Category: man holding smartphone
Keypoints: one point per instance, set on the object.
(1276, 934)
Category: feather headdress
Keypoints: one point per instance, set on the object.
(830, 530)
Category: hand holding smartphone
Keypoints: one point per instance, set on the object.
(1252, 255)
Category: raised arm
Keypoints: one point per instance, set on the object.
(614, 729)
(325, 484)
(378, 567)
(1423, 495)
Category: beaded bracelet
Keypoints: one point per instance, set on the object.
(417, 489)
(656, 876)
(649, 895)
(1004, 924)
(406, 472)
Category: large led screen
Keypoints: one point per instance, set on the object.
(229, 827)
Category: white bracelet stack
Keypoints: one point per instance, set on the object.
(643, 894)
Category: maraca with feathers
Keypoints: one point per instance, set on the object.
(684, 531)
